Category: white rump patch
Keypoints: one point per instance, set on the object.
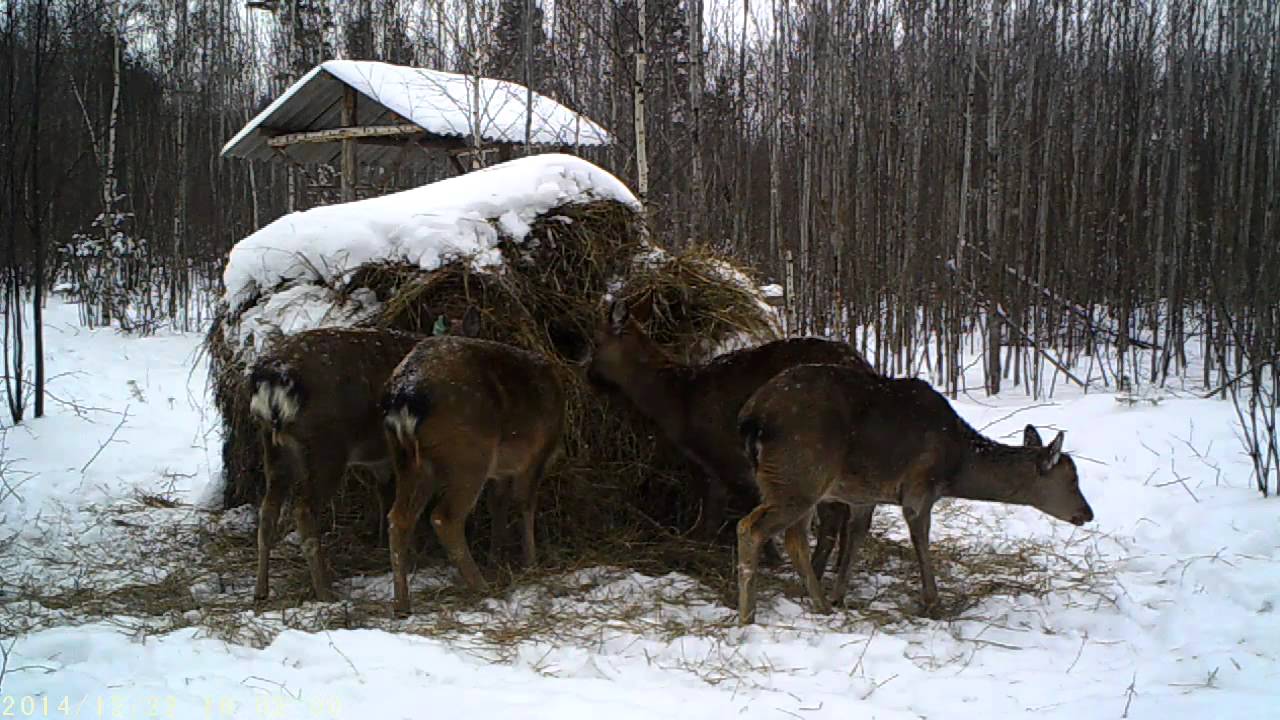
(271, 401)
(403, 423)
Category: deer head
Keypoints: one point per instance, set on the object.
(1057, 489)
(470, 324)
(621, 347)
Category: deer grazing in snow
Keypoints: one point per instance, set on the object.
(459, 413)
(316, 396)
(821, 432)
(696, 406)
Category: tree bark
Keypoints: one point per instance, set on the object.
(638, 108)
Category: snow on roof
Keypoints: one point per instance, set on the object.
(439, 102)
(425, 226)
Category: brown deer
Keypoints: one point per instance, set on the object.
(696, 406)
(316, 396)
(460, 413)
(823, 432)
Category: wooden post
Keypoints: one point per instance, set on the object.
(348, 145)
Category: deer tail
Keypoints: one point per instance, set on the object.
(751, 430)
(276, 397)
(403, 410)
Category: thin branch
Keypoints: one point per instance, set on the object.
(108, 441)
(5, 652)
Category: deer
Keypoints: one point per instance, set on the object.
(316, 397)
(818, 432)
(460, 413)
(696, 406)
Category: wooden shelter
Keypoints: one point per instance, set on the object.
(347, 113)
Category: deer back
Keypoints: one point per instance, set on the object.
(328, 381)
(831, 421)
(721, 387)
(474, 387)
(878, 433)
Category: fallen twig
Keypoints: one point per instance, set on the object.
(108, 441)
(4, 659)
(1079, 652)
(1130, 693)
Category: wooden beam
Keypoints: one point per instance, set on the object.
(468, 158)
(342, 133)
(348, 145)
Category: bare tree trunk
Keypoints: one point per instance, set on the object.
(995, 197)
(697, 203)
(11, 283)
(177, 272)
(775, 148)
(111, 304)
(804, 204)
(36, 209)
(638, 110)
(741, 168)
(967, 158)
(527, 47)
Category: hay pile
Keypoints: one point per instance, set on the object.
(618, 480)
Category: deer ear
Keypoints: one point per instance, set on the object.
(1052, 454)
(471, 322)
(1031, 438)
(617, 315)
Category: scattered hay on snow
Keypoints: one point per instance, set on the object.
(153, 568)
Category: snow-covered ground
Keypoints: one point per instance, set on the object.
(1179, 620)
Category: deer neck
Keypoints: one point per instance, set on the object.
(659, 393)
(995, 472)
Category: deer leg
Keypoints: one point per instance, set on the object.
(304, 517)
(857, 527)
(715, 498)
(754, 530)
(797, 545)
(526, 492)
(386, 496)
(748, 563)
(461, 490)
(918, 521)
(833, 520)
(499, 510)
(269, 512)
(414, 483)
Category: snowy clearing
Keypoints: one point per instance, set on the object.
(1179, 621)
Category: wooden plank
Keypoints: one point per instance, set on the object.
(348, 145)
(342, 133)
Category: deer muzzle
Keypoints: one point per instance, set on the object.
(1082, 516)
